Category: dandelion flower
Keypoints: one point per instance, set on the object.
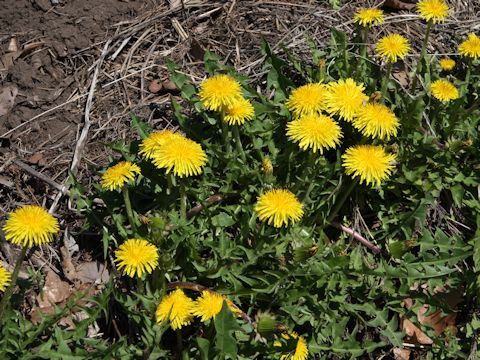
(118, 175)
(447, 64)
(184, 156)
(209, 305)
(307, 99)
(219, 91)
(30, 225)
(156, 139)
(279, 207)
(315, 131)
(345, 97)
(392, 47)
(5, 278)
(239, 112)
(377, 121)
(136, 256)
(432, 10)
(444, 90)
(176, 307)
(267, 166)
(369, 17)
(470, 47)
(301, 348)
(369, 162)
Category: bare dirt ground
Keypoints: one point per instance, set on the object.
(72, 72)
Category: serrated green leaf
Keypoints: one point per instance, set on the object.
(225, 324)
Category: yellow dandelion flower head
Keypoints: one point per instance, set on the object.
(30, 225)
(135, 257)
(156, 139)
(470, 47)
(5, 278)
(432, 10)
(267, 166)
(345, 97)
(240, 111)
(209, 304)
(301, 349)
(447, 64)
(219, 91)
(368, 162)
(444, 90)
(184, 156)
(377, 121)
(177, 308)
(369, 17)
(392, 47)
(117, 176)
(316, 132)
(307, 99)
(279, 207)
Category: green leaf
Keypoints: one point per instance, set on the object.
(225, 324)
(204, 347)
(222, 220)
(141, 127)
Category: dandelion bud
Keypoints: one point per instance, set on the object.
(322, 63)
(303, 253)
(266, 324)
(267, 166)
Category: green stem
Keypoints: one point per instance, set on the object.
(340, 201)
(225, 137)
(435, 109)
(363, 51)
(238, 143)
(469, 72)
(422, 56)
(183, 200)
(140, 285)
(345, 59)
(9, 291)
(128, 206)
(386, 79)
(181, 353)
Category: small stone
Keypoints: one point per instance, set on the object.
(169, 85)
(155, 86)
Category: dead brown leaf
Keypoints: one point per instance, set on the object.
(437, 319)
(401, 354)
(8, 94)
(92, 272)
(400, 4)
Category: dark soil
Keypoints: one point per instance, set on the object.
(53, 42)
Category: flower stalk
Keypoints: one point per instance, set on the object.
(183, 200)
(238, 143)
(386, 79)
(340, 201)
(9, 291)
(224, 129)
(418, 69)
(128, 207)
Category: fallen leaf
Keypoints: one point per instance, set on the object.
(8, 94)
(92, 272)
(399, 5)
(413, 333)
(438, 320)
(401, 354)
(54, 291)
